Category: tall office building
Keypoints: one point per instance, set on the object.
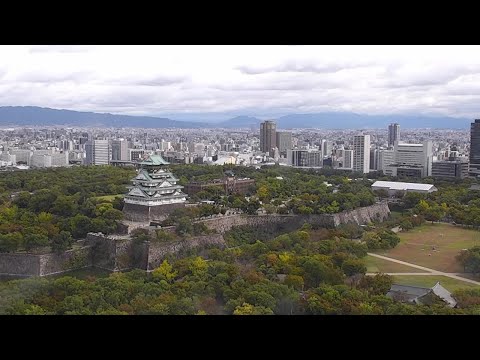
(450, 168)
(305, 158)
(22, 156)
(385, 158)
(348, 159)
(268, 130)
(374, 159)
(475, 148)
(284, 142)
(97, 152)
(326, 148)
(361, 153)
(119, 150)
(411, 160)
(393, 134)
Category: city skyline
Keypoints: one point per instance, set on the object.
(265, 81)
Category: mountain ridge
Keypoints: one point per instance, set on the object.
(43, 116)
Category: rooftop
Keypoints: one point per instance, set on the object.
(412, 293)
(397, 185)
(154, 160)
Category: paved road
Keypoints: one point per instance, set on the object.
(430, 271)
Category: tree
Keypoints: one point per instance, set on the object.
(164, 272)
(248, 309)
(184, 226)
(200, 228)
(252, 207)
(32, 241)
(295, 281)
(379, 284)
(353, 266)
(62, 242)
(11, 242)
(199, 267)
(80, 225)
(470, 259)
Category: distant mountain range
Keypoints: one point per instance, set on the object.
(31, 115)
(345, 120)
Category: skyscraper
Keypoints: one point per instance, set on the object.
(268, 136)
(97, 152)
(284, 141)
(475, 148)
(326, 148)
(361, 153)
(393, 134)
(119, 150)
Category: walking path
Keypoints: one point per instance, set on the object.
(430, 271)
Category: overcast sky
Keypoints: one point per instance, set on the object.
(244, 80)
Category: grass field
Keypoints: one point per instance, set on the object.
(428, 281)
(109, 198)
(416, 246)
(379, 265)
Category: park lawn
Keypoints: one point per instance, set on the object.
(384, 266)
(429, 281)
(108, 198)
(416, 246)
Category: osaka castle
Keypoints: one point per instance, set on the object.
(154, 193)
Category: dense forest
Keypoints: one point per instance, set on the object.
(49, 209)
(308, 271)
(302, 272)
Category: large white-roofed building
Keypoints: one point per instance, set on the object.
(394, 186)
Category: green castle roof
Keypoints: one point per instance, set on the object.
(154, 160)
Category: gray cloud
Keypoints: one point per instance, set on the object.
(153, 81)
(302, 66)
(272, 80)
(53, 77)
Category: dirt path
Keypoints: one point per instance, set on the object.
(430, 271)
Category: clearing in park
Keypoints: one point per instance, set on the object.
(434, 246)
(430, 280)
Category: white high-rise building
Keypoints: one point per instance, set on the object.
(412, 160)
(97, 152)
(361, 153)
(385, 158)
(22, 155)
(326, 148)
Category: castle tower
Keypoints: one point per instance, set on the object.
(154, 193)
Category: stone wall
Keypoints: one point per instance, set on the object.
(118, 253)
(364, 215)
(158, 251)
(134, 212)
(66, 261)
(44, 264)
(360, 216)
(20, 264)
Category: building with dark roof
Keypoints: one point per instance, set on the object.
(421, 295)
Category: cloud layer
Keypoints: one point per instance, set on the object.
(155, 80)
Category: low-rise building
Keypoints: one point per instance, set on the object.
(393, 187)
(229, 184)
